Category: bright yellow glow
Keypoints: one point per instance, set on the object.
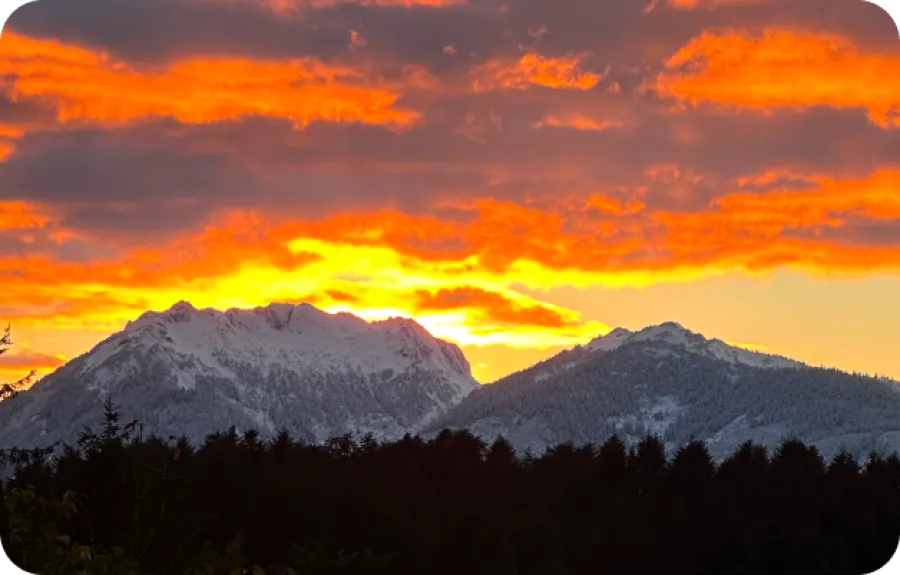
(750, 346)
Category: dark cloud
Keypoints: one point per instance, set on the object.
(148, 31)
(728, 145)
(858, 230)
(161, 177)
(25, 114)
(112, 181)
(30, 359)
(18, 243)
(616, 31)
(97, 166)
(154, 30)
(153, 179)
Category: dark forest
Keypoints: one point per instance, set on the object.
(121, 503)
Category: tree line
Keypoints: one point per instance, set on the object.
(119, 502)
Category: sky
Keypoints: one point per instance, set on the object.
(519, 176)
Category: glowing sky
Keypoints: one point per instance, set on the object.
(519, 176)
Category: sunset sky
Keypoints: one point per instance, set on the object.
(519, 176)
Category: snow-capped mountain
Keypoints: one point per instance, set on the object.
(674, 334)
(670, 333)
(194, 372)
(670, 382)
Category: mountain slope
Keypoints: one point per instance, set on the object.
(196, 371)
(677, 384)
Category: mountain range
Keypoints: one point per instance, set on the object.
(191, 372)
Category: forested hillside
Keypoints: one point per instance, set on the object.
(662, 387)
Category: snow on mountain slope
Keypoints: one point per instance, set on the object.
(610, 341)
(287, 335)
(194, 371)
(676, 384)
(674, 334)
(670, 333)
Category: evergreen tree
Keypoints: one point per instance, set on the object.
(11, 389)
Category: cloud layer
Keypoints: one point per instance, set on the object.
(443, 159)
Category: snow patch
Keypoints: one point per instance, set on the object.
(610, 341)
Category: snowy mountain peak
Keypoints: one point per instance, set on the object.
(673, 333)
(182, 306)
(299, 334)
(610, 341)
(181, 311)
(280, 314)
(189, 370)
(673, 327)
(669, 332)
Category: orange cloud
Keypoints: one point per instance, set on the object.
(339, 296)
(245, 259)
(21, 215)
(504, 235)
(289, 8)
(326, 3)
(739, 231)
(233, 244)
(237, 240)
(533, 70)
(614, 206)
(27, 360)
(766, 178)
(11, 131)
(577, 121)
(749, 230)
(875, 197)
(378, 264)
(495, 306)
(85, 85)
(7, 135)
(693, 4)
(494, 238)
(784, 68)
(22, 365)
(6, 149)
